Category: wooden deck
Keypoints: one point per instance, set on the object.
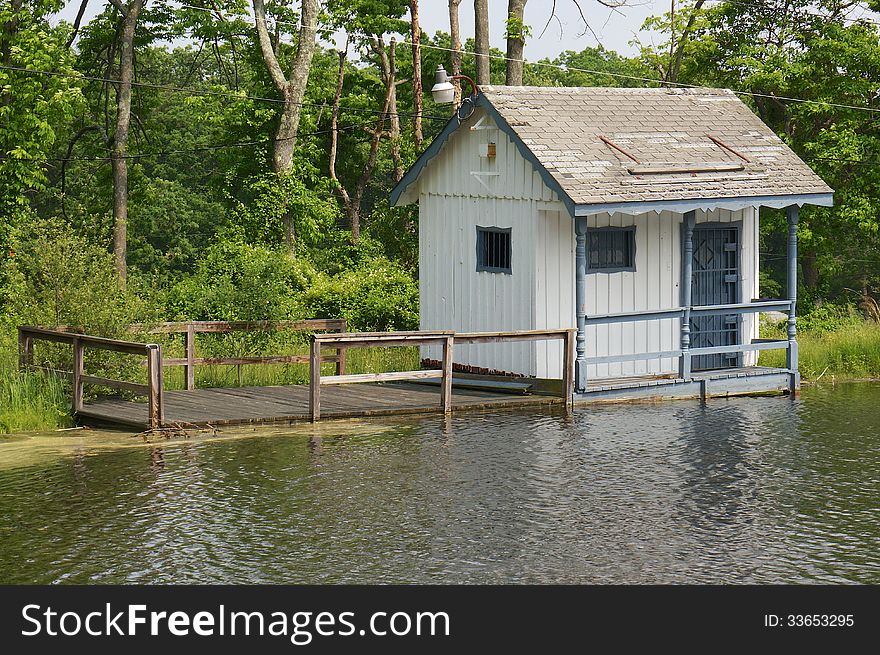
(289, 404)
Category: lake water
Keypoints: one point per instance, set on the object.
(764, 490)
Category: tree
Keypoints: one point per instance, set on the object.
(455, 38)
(292, 88)
(416, 31)
(119, 140)
(481, 40)
(516, 39)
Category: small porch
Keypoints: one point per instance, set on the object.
(701, 370)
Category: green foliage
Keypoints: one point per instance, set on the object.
(375, 297)
(31, 108)
(238, 281)
(61, 278)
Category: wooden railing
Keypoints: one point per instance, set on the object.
(80, 342)
(191, 328)
(339, 341)
(682, 313)
(445, 338)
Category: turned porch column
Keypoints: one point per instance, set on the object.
(791, 360)
(687, 276)
(580, 364)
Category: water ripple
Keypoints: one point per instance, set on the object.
(764, 490)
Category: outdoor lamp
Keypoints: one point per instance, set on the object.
(443, 91)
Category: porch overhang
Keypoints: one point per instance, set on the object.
(694, 204)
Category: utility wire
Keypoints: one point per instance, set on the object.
(213, 147)
(205, 92)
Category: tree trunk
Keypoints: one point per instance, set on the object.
(118, 161)
(515, 41)
(418, 100)
(389, 77)
(354, 209)
(292, 90)
(481, 40)
(810, 269)
(455, 36)
(675, 65)
(334, 131)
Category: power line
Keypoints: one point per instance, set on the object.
(226, 94)
(653, 80)
(213, 147)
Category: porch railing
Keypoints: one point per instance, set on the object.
(445, 338)
(153, 389)
(684, 354)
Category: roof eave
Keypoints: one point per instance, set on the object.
(823, 199)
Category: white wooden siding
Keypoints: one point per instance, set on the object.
(540, 291)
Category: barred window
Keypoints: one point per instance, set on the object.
(612, 249)
(493, 249)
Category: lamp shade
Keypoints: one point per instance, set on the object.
(442, 91)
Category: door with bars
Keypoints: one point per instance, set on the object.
(715, 282)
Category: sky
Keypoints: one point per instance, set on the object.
(615, 28)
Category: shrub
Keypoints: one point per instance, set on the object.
(377, 296)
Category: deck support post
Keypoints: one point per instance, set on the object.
(189, 348)
(340, 352)
(78, 352)
(446, 380)
(791, 359)
(580, 259)
(154, 382)
(568, 369)
(25, 350)
(315, 380)
(687, 276)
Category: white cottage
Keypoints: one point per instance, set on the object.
(631, 214)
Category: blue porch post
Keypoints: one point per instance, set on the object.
(791, 360)
(687, 276)
(580, 272)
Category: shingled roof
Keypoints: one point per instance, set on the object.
(599, 146)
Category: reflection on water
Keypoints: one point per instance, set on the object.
(738, 491)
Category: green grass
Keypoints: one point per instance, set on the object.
(849, 352)
(30, 401)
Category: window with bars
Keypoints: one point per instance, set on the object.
(612, 249)
(493, 249)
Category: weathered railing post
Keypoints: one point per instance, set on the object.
(446, 380)
(791, 358)
(25, 350)
(315, 379)
(189, 350)
(340, 351)
(154, 382)
(580, 371)
(78, 352)
(687, 276)
(568, 350)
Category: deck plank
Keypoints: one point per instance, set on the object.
(285, 404)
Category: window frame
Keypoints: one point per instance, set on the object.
(630, 229)
(482, 268)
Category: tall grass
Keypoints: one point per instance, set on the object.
(30, 401)
(848, 352)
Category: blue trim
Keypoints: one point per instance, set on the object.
(416, 169)
(682, 206)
